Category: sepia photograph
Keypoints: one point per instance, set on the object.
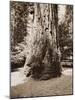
(41, 49)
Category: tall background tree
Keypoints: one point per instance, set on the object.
(66, 34)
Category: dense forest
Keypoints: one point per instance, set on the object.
(41, 38)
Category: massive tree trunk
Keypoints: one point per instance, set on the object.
(43, 59)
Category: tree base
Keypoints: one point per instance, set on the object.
(44, 71)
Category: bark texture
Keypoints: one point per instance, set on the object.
(42, 59)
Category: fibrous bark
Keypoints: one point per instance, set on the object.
(42, 61)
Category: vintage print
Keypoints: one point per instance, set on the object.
(41, 51)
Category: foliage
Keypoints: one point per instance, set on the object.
(66, 33)
(18, 21)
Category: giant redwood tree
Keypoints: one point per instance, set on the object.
(43, 51)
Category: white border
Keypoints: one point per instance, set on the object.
(4, 48)
(50, 1)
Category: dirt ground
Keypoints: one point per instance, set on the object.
(20, 87)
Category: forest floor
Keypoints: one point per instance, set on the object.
(27, 87)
